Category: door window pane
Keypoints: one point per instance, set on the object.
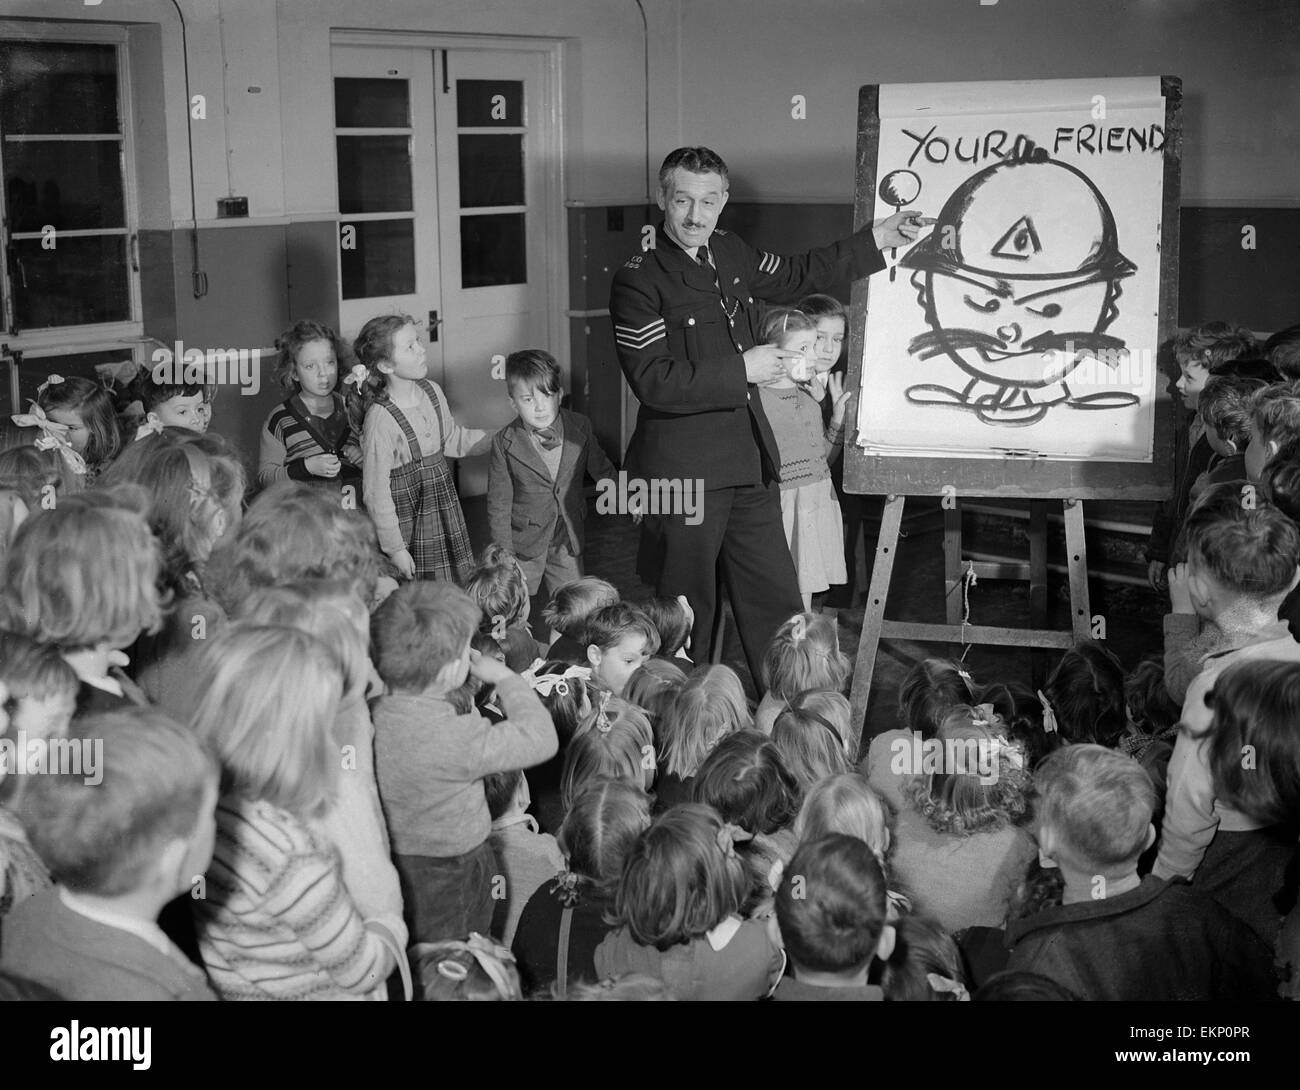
(70, 185)
(491, 170)
(484, 102)
(383, 262)
(492, 250)
(80, 281)
(371, 104)
(57, 87)
(374, 173)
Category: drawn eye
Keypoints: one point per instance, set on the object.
(1049, 311)
(985, 308)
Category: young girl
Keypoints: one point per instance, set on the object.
(565, 920)
(1015, 709)
(960, 854)
(745, 780)
(813, 524)
(408, 435)
(1083, 699)
(83, 577)
(528, 856)
(85, 410)
(1256, 711)
(309, 436)
(30, 479)
(613, 741)
(804, 654)
(653, 688)
(673, 620)
(169, 404)
(499, 587)
(277, 920)
(354, 822)
(1152, 724)
(195, 485)
(812, 736)
(292, 531)
(709, 706)
(930, 690)
(563, 690)
(475, 971)
(677, 909)
(925, 965)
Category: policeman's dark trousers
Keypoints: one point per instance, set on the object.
(740, 541)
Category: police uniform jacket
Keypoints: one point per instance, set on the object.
(680, 337)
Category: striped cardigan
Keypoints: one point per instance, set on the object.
(277, 921)
(286, 444)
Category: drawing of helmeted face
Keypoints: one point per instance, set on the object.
(1019, 277)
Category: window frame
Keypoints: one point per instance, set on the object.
(100, 336)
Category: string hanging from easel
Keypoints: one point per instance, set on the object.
(968, 580)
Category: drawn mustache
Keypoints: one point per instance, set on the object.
(934, 342)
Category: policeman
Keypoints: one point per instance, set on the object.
(686, 314)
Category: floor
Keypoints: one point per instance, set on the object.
(1132, 614)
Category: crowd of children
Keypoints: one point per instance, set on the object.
(310, 747)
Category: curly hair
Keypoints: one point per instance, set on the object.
(290, 343)
(957, 801)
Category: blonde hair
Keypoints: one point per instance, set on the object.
(330, 611)
(804, 654)
(846, 804)
(271, 696)
(613, 742)
(705, 710)
(84, 573)
(812, 737)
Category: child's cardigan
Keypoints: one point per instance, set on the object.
(277, 921)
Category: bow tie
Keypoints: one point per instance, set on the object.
(548, 437)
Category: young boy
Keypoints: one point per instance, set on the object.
(1242, 562)
(567, 614)
(831, 909)
(1115, 935)
(619, 639)
(120, 849)
(1201, 351)
(430, 759)
(1225, 413)
(1274, 424)
(536, 502)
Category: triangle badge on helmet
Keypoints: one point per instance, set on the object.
(1020, 242)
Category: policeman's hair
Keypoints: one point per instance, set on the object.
(1251, 551)
(1224, 407)
(781, 322)
(1222, 340)
(696, 160)
(1283, 351)
(532, 369)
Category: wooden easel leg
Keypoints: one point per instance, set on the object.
(881, 573)
(1076, 553)
(1038, 585)
(952, 594)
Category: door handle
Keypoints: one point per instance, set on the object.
(434, 323)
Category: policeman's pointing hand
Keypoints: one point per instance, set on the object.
(900, 229)
(763, 364)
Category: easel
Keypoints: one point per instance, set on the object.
(1036, 479)
(876, 627)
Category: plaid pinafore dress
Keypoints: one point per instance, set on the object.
(428, 509)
